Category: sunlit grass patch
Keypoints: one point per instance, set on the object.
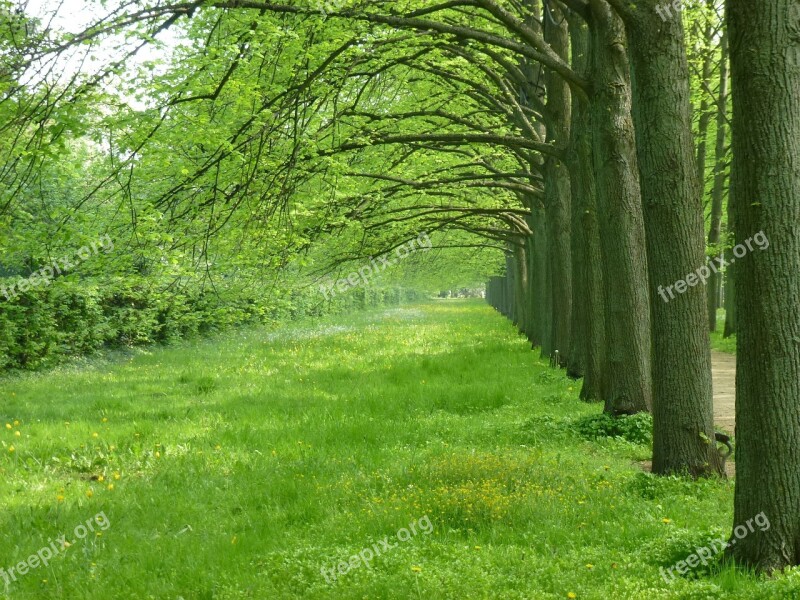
(238, 467)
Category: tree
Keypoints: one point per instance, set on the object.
(683, 428)
(765, 73)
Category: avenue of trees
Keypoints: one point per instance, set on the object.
(585, 154)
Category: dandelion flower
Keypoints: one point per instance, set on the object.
(110, 487)
(8, 425)
(16, 423)
(666, 520)
(59, 498)
(11, 448)
(89, 493)
(416, 569)
(17, 433)
(117, 476)
(572, 595)
(95, 434)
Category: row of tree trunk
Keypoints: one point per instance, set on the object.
(622, 218)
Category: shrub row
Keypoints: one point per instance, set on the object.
(41, 326)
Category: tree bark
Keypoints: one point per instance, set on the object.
(520, 261)
(705, 113)
(683, 415)
(765, 75)
(541, 295)
(557, 189)
(718, 191)
(730, 274)
(588, 328)
(622, 236)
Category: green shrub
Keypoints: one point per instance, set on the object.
(637, 428)
(71, 317)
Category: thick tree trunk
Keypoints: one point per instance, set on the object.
(683, 415)
(621, 221)
(559, 272)
(718, 191)
(557, 193)
(532, 94)
(765, 73)
(588, 328)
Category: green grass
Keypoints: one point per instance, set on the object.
(718, 342)
(248, 463)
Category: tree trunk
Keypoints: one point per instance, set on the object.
(730, 275)
(588, 328)
(541, 295)
(705, 113)
(511, 287)
(557, 192)
(765, 74)
(718, 191)
(520, 287)
(683, 412)
(621, 220)
(534, 310)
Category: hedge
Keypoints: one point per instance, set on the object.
(40, 327)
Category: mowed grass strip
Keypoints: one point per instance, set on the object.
(240, 467)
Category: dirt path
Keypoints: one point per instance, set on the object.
(723, 368)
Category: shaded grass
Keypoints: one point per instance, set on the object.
(242, 466)
(718, 342)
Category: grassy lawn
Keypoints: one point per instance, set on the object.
(242, 467)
